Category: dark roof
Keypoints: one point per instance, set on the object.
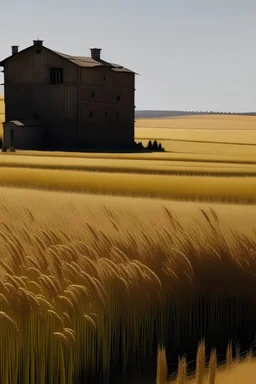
(85, 62)
(88, 62)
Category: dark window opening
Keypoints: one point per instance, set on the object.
(106, 114)
(104, 78)
(118, 114)
(56, 75)
(118, 98)
(91, 114)
(92, 95)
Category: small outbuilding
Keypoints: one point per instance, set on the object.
(24, 134)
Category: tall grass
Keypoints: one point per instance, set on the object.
(212, 367)
(182, 371)
(162, 370)
(72, 304)
(200, 363)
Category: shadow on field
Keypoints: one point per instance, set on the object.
(217, 322)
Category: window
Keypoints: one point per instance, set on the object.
(118, 114)
(92, 95)
(118, 98)
(104, 78)
(106, 114)
(91, 114)
(56, 75)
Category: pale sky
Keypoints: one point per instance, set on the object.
(190, 54)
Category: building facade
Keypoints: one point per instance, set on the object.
(80, 101)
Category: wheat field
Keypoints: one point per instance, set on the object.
(210, 188)
(196, 146)
(150, 174)
(237, 158)
(214, 135)
(119, 165)
(75, 268)
(201, 134)
(91, 283)
(209, 122)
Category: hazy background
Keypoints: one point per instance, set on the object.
(191, 55)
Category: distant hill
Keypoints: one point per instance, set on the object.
(149, 114)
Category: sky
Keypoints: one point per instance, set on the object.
(195, 55)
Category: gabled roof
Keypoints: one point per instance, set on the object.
(85, 62)
(88, 62)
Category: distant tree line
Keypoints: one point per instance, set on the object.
(156, 113)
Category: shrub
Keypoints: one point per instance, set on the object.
(140, 145)
(12, 149)
(155, 145)
(150, 145)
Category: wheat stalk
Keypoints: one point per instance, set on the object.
(229, 356)
(182, 371)
(162, 371)
(212, 367)
(200, 362)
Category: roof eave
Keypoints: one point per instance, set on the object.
(2, 63)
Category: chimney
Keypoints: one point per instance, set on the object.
(95, 54)
(15, 49)
(38, 42)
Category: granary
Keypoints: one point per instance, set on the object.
(57, 101)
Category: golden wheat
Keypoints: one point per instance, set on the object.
(72, 295)
(182, 371)
(162, 371)
(241, 373)
(212, 367)
(200, 363)
(229, 357)
(233, 188)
